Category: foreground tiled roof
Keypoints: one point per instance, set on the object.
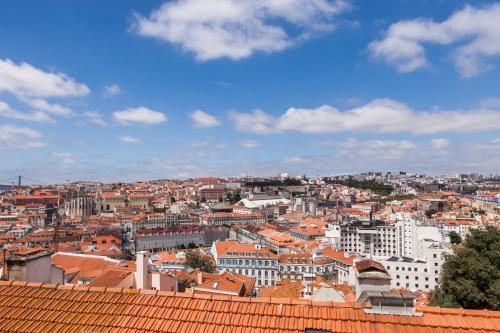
(35, 307)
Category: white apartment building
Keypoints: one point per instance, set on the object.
(247, 259)
(306, 266)
(376, 238)
(418, 274)
(421, 271)
(371, 238)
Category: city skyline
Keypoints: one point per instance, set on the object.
(135, 91)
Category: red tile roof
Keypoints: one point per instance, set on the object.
(36, 307)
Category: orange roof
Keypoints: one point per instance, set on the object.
(284, 288)
(338, 255)
(112, 278)
(234, 248)
(48, 308)
(88, 267)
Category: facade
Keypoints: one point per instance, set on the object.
(372, 238)
(220, 218)
(162, 239)
(152, 221)
(306, 266)
(212, 193)
(139, 200)
(108, 201)
(81, 205)
(247, 259)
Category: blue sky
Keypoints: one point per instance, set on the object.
(107, 90)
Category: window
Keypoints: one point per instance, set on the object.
(415, 269)
(407, 277)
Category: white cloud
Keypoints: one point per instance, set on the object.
(19, 137)
(379, 149)
(198, 144)
(54, 108)
(7, 112)
(378, 116)
(255, 122)
(140, 115)
(297, 160)
(236, 29)
(249, 144)
(111, 90)
(203, 119)
(66, 162)
(473, 31)
(440, 143)
(24, 80)
(95, 117)
(62, 155)
(129, 139)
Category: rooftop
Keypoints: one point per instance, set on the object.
(50, 308)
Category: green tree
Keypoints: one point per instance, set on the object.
(454, 237)
(430, 212)
(470, 277)
(197, 260)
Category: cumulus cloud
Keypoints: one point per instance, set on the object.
(249, 144)
(440, 143)
(25, 80)
(52, 108)
(236, 29)
(7, 112)
(202, 119)
(255, 122)
(111, 90)
(129, 139)
(378, 116)
(95, 117)
(141, 115)
(474, 32)
(19, 137)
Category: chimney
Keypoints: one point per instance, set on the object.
(371, 276)
(199, 277)
(142, 276)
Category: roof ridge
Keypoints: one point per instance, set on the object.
(270, 300)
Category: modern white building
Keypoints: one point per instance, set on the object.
(258, 200)
(421, 270)
(418, 273)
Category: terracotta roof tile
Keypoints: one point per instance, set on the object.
(49, 308)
